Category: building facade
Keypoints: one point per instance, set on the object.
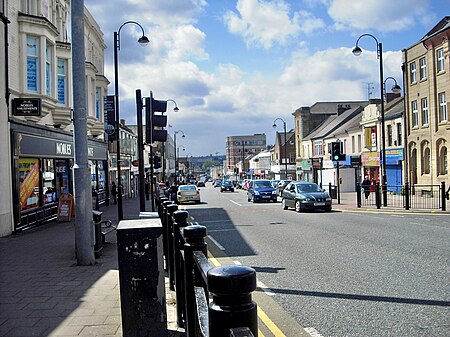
(38, 114)
(427, 81)
(238, 147)
(280, 163)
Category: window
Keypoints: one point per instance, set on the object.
(412, 72)
(2, 6)
(442, 161)
(399, 134)
(48, 70)
(97, 102)
(415, 117)
(62, 78)
(318, 148)
(32, 64)
(353, 144)
(359, 143)
(440, 60)
(29, 183)
(389, 134)
(442, 107)
(426, 160)
(423, 68)
(424, 107)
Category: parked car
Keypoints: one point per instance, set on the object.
(217, 183)
(188, 193)
(281, 186)
(303, 195)
(227, 186)
(259, 190)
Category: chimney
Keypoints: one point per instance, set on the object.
(390, 96)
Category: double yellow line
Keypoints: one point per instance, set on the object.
(261, 314)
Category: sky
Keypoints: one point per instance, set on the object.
(234, 66)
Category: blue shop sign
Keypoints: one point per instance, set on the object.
(394, 156)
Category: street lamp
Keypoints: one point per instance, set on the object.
(187, 161)
(357, 51)
(175, 150)
(143, 41)
(395, 88)
(285, 146)
(175, 109)
(177, 154)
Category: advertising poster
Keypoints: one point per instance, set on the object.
(29, 183)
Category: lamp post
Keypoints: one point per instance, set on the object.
(357, 51)
(163, 150)
(187, 161)
(175, 150)
(143, 41)
(178, 154)
(285, 145)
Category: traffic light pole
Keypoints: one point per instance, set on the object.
(140, 146)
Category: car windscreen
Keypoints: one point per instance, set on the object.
(187, 188)
(263, 184)
(308, 188)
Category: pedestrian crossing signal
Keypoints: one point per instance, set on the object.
(336, 152)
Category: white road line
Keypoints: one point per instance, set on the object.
(236, 203)
(313, 332)
(216, 243)
(211, 221)
(222, 230)
(264, 288)
(192, 218)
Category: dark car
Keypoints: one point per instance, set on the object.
(217, 183)
(304, 195)
(260, 190)
(200, 183)
(227, 186)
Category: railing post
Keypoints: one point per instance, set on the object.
(377, 195)
(170, 247)
(232, 305)
(406, 191)
(180, 221)
(165, 203)
(195, 241)
(444, 206)
(358, 195)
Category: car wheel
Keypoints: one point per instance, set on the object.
(298, 206)
(248, 199)
(283, 204)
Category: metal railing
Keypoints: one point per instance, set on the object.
(418, 196)
(210, 301)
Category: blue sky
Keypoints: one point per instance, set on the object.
(233, 66)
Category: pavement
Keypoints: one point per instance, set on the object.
(44, 293)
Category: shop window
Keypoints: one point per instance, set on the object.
(29, 183)
(48, 181)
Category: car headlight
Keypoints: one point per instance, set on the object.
(274, 192)
(327, 199)
(256, 193)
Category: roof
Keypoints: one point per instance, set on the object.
(289, 135)
(332, 107)
(440, 27)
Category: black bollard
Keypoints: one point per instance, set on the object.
(170, 247)
(161, 205)
(232, 305)
(195, 241)
(378, 195)
(164, 225)
(180, 221)
(406, 193)
(358, 195)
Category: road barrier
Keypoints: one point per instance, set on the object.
(232, 312)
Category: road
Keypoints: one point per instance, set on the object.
(339, 273)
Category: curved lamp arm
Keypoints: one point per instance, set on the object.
(357, 50)
(143, 40)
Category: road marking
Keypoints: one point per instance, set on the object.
(214, 261)
(313, 332)
(212, 221)
(216, 243)
(264, 288)
(270, 324)
(432, 212)
(236, 203)
(222, 230)
(192, 218)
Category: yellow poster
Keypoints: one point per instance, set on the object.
(29, 181)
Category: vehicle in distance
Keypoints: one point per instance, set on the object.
(303, 195)
(188, 193)
(227, 186)
(281, 186)
(217, 183)
(200, 183)
(260, 190)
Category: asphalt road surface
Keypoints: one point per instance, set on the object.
(339, 273)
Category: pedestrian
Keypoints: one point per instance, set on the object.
(173, 192)
(366, 186)
(114, 192)
(147, 190)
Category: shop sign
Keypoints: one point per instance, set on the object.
(26, 107)
(370, 159)
(355, 160)
(317, 163)
(306, 164)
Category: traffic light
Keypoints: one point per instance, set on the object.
(336, 152)
(152, 120)
(156, 162)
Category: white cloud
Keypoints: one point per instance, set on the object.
(309, 23)
(263, 23)
(381, 15)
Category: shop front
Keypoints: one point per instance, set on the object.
(394, 172)
(371, 166)
(42, 165)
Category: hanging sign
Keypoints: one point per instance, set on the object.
(26, 107)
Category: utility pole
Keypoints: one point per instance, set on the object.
(84, 228)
